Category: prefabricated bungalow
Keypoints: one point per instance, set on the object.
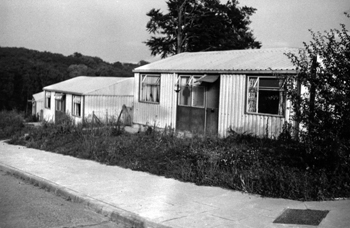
(38, 105)
(84, 98)
(212, 92)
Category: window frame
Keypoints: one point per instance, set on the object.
(281, 89)
(191, 84)
(48, 99)
(142, 78)
(74, 103)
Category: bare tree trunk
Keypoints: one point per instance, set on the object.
(179, 29)
(312, 94)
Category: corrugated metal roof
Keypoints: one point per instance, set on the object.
(85, 85)
(225, 61)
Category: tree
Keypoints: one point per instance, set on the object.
(75, 70)
(324, 108)
(24, 72)
(200, 25)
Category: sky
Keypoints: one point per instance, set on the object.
(114, 30)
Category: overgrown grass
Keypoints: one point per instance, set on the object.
(272, 168)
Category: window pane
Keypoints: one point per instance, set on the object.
(77, 109)
(76, 105)
(47, 99)
(184, 81)
(198, 96)
(268, 102)
(151, 80)
(269, 83)
(47, 102)
(252, 94)
(185, 95)
(77, 99)
(150, 88)
(59, 105)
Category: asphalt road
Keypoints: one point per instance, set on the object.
(25, 205)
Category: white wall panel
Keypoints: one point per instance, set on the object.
(232, 111)
(49, 114)
(105, 106)
(69, 100)
(162, 114)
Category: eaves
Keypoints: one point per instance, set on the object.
(259, 71)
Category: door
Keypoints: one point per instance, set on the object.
(198, 102)
(60, 107)
(212, 107)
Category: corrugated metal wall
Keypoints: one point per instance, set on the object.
(231, 108)
(49, 114)
(232, 111)
(103, 106)
(69, 104)
(162, 114)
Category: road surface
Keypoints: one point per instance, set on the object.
(25, 205)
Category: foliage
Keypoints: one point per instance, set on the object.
(25, 72)
(324, 109)
(200, 25)
(272, 168)
(11, 122)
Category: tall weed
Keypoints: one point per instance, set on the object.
(274, 168)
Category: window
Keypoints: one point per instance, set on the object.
(150, 88)
(265, 95)
(191, 92)
(77, 106)
(47, 99)
(60, 102)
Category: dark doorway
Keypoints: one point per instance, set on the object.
(198, 103)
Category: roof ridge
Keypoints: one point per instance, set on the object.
(276, 49)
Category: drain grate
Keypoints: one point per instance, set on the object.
(301, 217)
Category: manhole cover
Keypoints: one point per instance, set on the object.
(301, 217)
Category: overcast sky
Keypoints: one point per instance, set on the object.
(114, 30)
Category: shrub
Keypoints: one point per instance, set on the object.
(10, 123)
(32, 118)
(324, 108)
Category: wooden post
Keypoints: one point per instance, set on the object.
(179, 27)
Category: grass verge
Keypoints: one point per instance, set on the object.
(280, 168)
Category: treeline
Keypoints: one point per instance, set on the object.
(24, 72)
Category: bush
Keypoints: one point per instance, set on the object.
(323, 108)
(10, 123)
(32, 118)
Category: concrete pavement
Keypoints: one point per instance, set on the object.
(139, 199)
